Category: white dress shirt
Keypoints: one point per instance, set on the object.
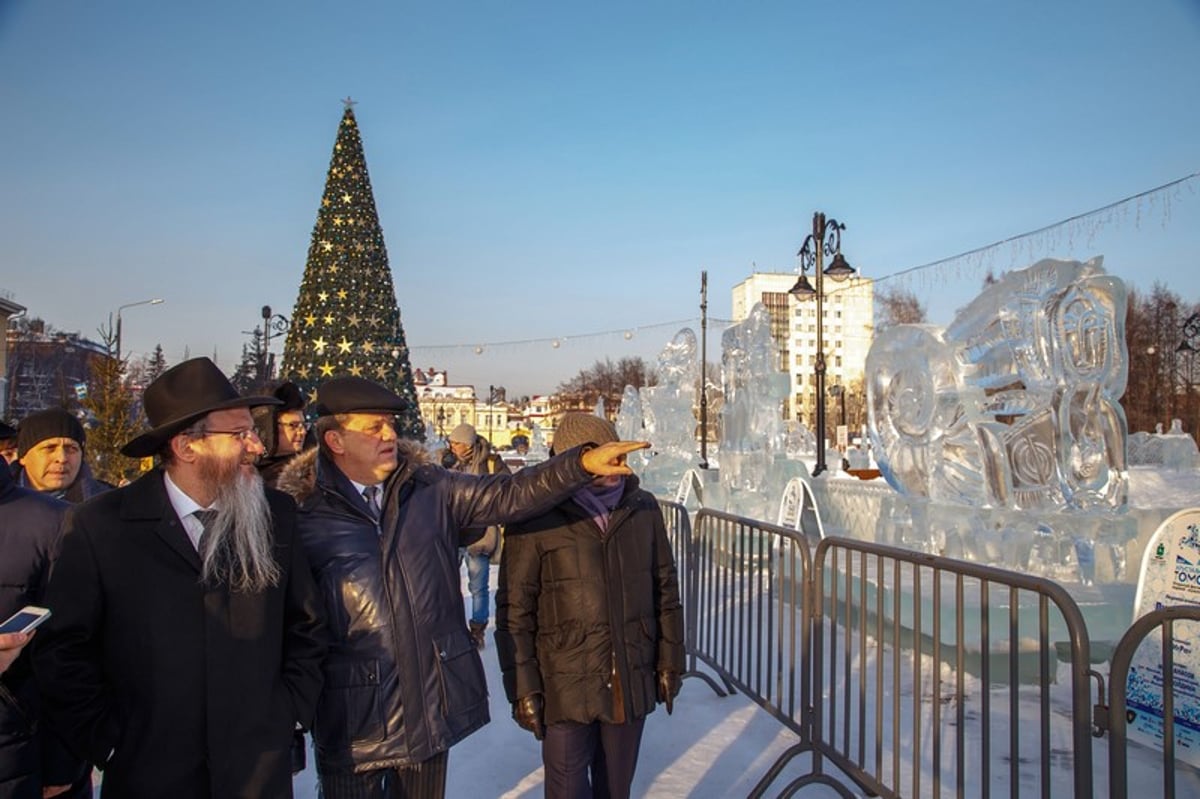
(184, 507)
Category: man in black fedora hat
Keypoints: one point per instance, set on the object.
(403, 680)
(186, 637)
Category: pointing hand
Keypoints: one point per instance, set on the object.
(609, 458)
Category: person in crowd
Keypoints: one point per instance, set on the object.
(11, 646)
(33, 761)
(50, 451)
(281, 428)
(471, 453)
(8, 443)
(589, 627)
(403, 680)
(187, 635)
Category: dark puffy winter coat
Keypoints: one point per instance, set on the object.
(587, 619)
(30, 756)
(403, 680)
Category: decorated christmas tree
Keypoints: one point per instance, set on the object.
(346, 321)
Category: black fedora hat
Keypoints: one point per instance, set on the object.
(180, 396)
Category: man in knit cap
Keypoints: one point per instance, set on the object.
(599, 566)
(50, 449)
(471, 453)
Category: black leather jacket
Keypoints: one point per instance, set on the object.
(403, 680)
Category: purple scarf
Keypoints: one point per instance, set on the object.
(599, 502)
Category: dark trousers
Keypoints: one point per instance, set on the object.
(590, 761)
(426, 782)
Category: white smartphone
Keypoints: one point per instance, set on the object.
(25, 620)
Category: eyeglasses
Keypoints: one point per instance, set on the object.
(245, 436)
(293, 426)
(375, 428)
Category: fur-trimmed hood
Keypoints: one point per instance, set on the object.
(299, 477)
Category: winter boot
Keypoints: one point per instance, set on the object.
(477, 629)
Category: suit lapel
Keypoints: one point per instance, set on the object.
(147, 501)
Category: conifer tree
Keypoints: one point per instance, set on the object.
(116, 418)
(346, 320)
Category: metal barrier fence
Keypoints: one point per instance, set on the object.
(949, 668)
(908, 674)
(1113, 718)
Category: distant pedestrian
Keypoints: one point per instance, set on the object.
(471, 453)
(50, 451)
(589, 628)
(187, 636)
(282, 429)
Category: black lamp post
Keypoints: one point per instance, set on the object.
(272, 323)
(825, 239)
(1189, 345)
(441, 420)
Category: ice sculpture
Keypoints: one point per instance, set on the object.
(668, 414)
(538, 451)
(753, 443)
(1014, 405)
(630, 428)
(1175, 450)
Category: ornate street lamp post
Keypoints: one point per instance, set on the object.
(825, 239)
(272, 323)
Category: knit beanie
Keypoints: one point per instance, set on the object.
(50, 423)
(463, 434)
(582, 428)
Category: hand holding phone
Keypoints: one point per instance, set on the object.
(25, 620)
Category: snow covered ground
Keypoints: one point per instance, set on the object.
(720, 747)
(709, 747)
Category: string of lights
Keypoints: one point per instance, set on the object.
(966, 263)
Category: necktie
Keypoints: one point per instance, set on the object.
(371, 495)
(206, 519)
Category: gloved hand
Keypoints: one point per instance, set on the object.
(527, 712)
(669, 683)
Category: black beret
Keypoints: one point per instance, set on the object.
(356, 395)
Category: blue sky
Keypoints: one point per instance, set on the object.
(553, 170)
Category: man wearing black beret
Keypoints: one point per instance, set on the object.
(403, 681)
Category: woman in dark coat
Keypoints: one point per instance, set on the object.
(589, 629)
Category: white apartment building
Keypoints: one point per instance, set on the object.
(849, 311)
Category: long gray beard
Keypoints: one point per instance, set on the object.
(238, 547)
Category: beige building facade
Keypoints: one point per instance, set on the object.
(848, 325)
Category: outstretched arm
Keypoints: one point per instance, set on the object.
(609, 458)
